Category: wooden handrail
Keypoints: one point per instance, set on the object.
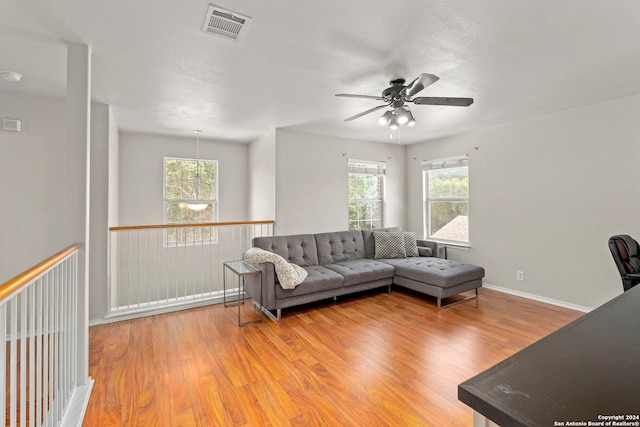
(192, 224)
(12, 285)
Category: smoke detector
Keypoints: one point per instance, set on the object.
(10, 76)
(224, 23)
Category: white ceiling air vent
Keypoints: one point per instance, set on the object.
(224, 23)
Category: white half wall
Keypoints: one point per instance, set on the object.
(141, 175)
(546, 194)
(312, 179)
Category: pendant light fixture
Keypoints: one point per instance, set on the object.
(195, 206)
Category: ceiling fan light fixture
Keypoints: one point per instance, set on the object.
(403, 115)
(411, 121)
(385, 118)
(398, 95)
(393, 123)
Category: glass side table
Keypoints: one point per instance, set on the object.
(240, 269)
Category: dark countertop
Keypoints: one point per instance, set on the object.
(587, 369)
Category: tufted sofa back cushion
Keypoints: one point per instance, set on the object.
(299, 249)
(339, 246)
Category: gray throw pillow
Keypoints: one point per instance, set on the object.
(410, 244)
(422, 251)
(389, 244)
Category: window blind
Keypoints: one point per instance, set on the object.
(367, 167)
(449, 162)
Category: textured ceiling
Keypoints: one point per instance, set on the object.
(162, 75)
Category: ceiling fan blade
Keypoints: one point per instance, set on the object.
(456, 102)
(348, 95)
(370, 110)
(419, 83)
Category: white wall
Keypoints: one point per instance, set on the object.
(546, 194)
(104, 136)
(262, 177)
(140, 178)
(34, 176)
(77, 169)
(311, 181)
(114, 171)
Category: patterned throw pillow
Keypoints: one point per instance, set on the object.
(389, 244)
(410, 244)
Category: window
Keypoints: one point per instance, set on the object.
(446, 189)
(366, 194)
(190, 196)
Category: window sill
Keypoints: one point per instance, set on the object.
(450, 243)
(462, 246)
(443, 247)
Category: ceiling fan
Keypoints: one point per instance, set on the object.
(398, 95)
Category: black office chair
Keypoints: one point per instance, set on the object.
(626, 254)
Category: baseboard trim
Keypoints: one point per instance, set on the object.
(538, 298)
(78, 405)
(130, 315)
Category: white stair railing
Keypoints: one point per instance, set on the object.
(157, 268)
(38, 321)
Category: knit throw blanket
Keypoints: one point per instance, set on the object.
(289, 275)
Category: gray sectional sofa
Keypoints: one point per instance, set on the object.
(345, 262)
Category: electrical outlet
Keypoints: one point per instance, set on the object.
(520, 275)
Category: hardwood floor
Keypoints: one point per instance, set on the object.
(374, 360)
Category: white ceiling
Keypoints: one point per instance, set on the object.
(162, 75)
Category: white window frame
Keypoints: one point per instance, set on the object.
(213, 201)
(439, 164)
(368, 168)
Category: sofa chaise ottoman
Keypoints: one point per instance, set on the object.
(345, 262)
(440, 278)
